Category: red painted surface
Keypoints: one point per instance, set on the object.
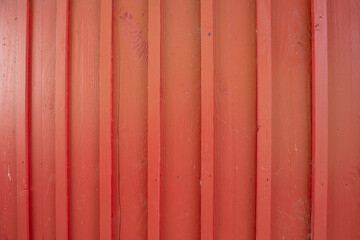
(235, 119)
(343, 119)
(179, 119)
(42, 168)
(291, 120)
(207, 183)
(106, 123)
(154, 120)
(320, 120)
(264, 109)
(61, 120)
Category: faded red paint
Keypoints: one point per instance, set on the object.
(179, 119)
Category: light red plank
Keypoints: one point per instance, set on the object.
(207, 121)
(22, 122)
(320, 120)
(8, 124)
(106, 112)
(61, 120)
(154, 121)
(264, 119)
(180, 113)
(130, 112)
(42, 202)
(235, 119)
(291, 122)
(84, 119)
(344, 119)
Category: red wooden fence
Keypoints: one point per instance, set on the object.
(191, 119)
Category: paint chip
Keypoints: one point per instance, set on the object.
(9, 173)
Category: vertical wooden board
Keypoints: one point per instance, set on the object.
(320, 119)
(264, 120)
(180, 119)
(235, 119)
(130, 119)
(62, 120)
(344, 119)
(291, 119)
(22, 103)
(43, 27)
(84, 44)
(154, 119)
(106, 120)
(8, 84)
(207, 181)
(165, 116)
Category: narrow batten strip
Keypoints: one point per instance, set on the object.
(61, 120)
(264, 120)
(320, 115)
(154, 120)
(207, 120)
(22, 122)
(106, 115)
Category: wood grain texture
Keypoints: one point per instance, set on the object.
(343, 40)
(8, 126)
(62, 121)
(207, 181)
(320, 120)
(167, 119)
(22, 122)
(264, 120)
(106, 120)
(43, 46)
(154, 120)
(235, 119)
(180, 119)
(291, 119)
(130, 119)
(84, 103)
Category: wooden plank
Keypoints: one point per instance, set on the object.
(43, 46)
(343, 215)
(291, 125)
(320, 119)
(181, 113)
(154, 121)
(84, 119)
(8, 125)
(106, 112)
(22, 122)
(130, 110)
(61, 120)
(235, 119)
(207, 120)
(264, 119)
